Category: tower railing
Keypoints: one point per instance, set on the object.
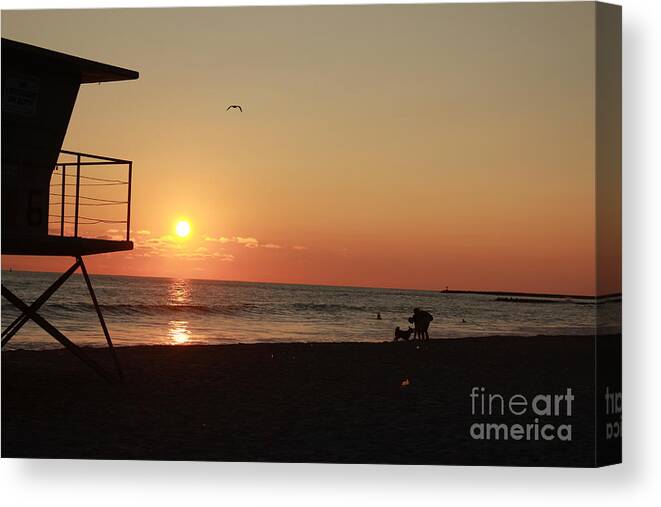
(82, 196)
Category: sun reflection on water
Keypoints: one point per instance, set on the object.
(178, 332)
(179, 292)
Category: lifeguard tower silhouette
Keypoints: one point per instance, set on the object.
(39, 89)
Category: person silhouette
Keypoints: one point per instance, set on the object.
(421, 320)
(378, 315)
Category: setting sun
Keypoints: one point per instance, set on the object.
(183, 228)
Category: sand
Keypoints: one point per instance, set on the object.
(334, 402)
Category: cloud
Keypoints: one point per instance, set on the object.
(192, 256)
(165, 246)
(163, 240)
(247, 241)
(221, 239)
(113, 234)
(139, 253)
(224, 257)
(169, 247)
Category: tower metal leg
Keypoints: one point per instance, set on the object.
(15, 326)
(54, 332)
(30, 313)
(100, 315)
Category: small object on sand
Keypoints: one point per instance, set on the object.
(234, 106)
(406, 382)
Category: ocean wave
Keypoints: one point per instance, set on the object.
(154, 309)
(236, 309)
(328, 307)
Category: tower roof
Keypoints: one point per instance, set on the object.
(89, 71)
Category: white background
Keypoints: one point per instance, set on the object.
(636, 482)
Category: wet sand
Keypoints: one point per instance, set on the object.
(334, 402)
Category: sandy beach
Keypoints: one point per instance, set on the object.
(335, 402)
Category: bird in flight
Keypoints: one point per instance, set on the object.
(234, 106)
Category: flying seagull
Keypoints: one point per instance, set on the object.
(234, 106)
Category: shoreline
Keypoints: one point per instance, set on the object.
(103, 346)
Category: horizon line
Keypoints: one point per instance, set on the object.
(442, 291)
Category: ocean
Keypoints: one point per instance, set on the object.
(157, 311)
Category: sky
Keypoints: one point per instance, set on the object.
(424, 147)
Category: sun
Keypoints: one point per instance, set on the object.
(183, 228)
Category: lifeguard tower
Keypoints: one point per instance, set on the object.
(47, 192)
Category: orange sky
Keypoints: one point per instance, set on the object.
(399, 146)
